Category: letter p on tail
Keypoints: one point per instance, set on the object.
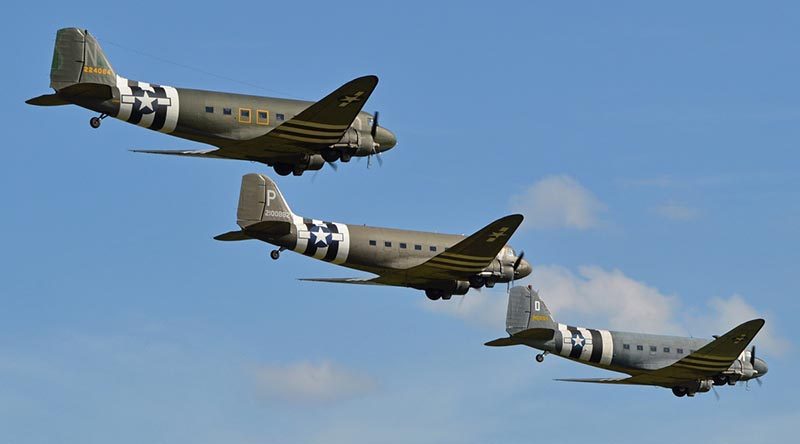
(261, 200)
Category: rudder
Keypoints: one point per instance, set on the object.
(261, 200)
(526, 310)
(78, 58)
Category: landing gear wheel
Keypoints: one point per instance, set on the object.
(94, 122)
(275, 254)
(433, 295)
(540, 358)
(679, 391)
(345, 157)
(282, 169)
(330, 155)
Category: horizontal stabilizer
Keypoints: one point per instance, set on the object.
(503, 342)
(358, 281)
(47, 100)
(232, 236)
(259, 230)
(541, 334)
(212, 152)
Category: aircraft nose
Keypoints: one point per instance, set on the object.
(524, 269)
(385, 138)
(761, 367)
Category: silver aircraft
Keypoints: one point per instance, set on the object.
(685, 365)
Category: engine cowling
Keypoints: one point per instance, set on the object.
(311, 162)
(701, 386)
(356, 143)
(460, 288)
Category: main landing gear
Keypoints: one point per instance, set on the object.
(540, 357)
(94, 122)
(276, 254)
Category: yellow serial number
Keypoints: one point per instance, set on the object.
(97, 70)
(539, 318)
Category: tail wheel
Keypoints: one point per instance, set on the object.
(540, 358)
(94, 122)
(275, 254)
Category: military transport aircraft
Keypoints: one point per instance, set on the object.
(440, 264)
(685, 365)
(291, 136)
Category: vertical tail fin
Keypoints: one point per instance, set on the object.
(261, 200)
(78, 58)
(527, 310)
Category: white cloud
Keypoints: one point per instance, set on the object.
(676, 212)
(609, 298)
(306, 382)
(558, 202)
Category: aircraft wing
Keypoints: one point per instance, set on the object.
(211, 152)
(469, 256)
(713, 358)
(359, 281)
(321, 124)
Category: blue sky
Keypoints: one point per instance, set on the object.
(652, 149)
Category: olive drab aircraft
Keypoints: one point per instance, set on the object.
(442, 265)
(291, 136)
(685, 365)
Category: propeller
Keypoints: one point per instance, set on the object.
(519, 260)
(753, 356)
(716, 394)
(374, 131)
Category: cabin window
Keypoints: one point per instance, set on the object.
(433, 248)
(653, 349)
(403, 245)
(372, 243)
(262, 117)
(226, 111)
(209, 109)
(679, 351)
(279, 117)
(626, 346)
(666, 349)
(418, 247)
(244, 115)
(640, 347)
(387, 244)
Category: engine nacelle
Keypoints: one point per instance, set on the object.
(311, 162)
(460, 288)
(701, 386)
(356, 143)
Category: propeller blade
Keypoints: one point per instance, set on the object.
(753, 356)
(374, 129)
(716, 395)
(758, 380)
(334, 166)
(519, 260)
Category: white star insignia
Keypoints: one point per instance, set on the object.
(146, 102)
